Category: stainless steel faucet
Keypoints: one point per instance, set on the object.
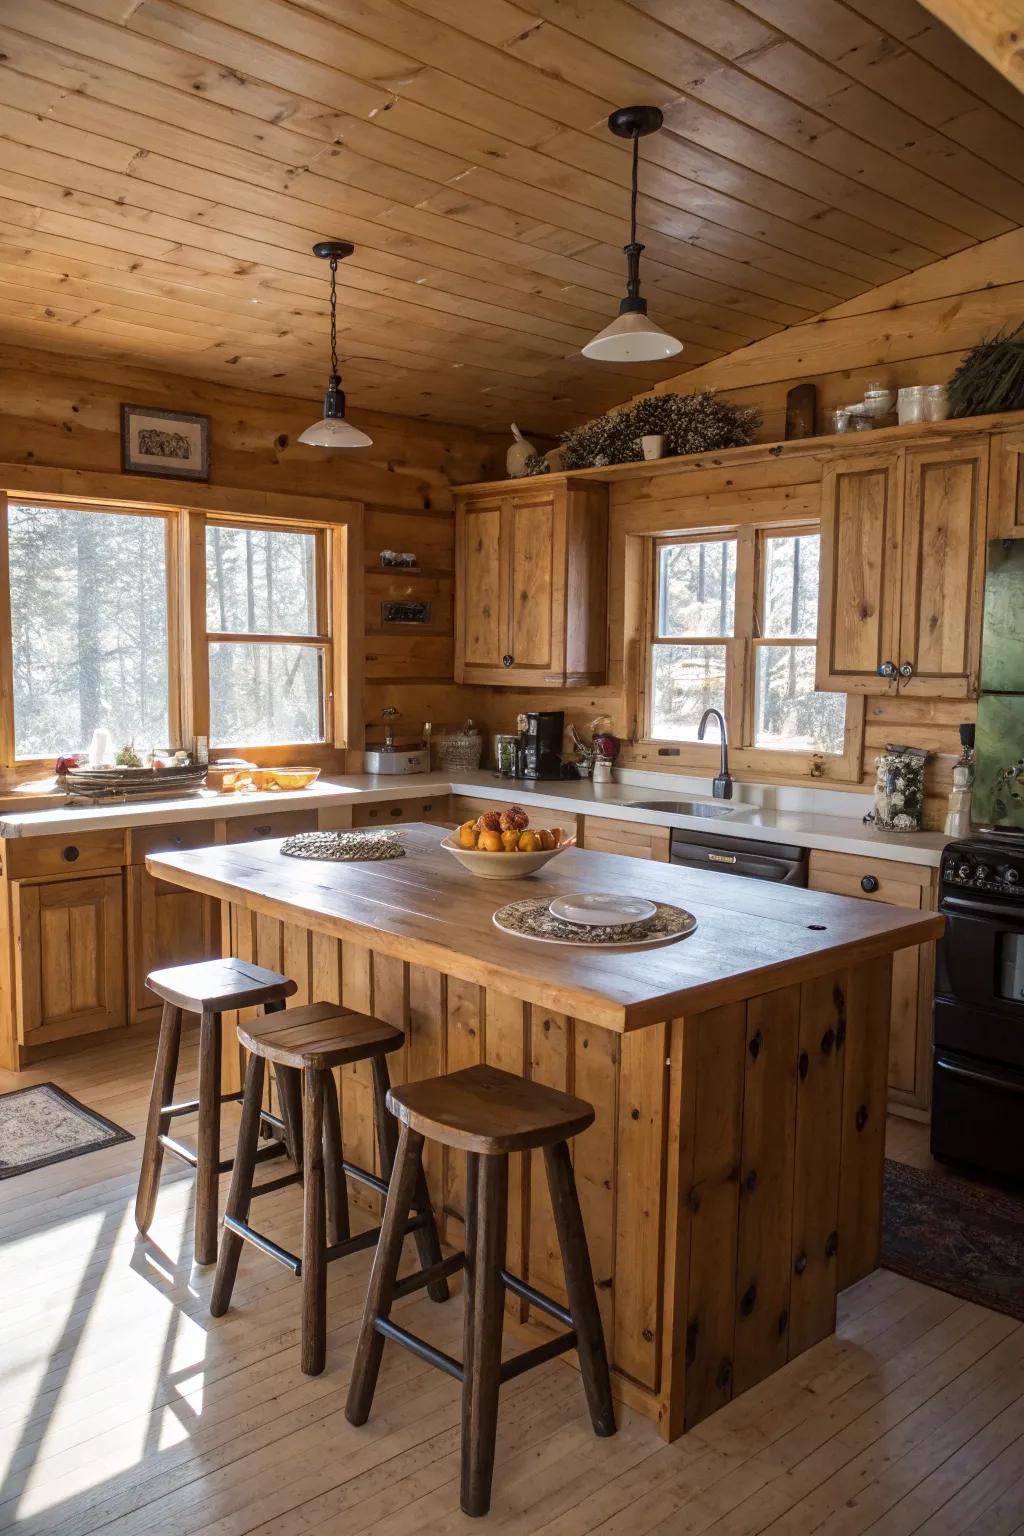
(721, 787)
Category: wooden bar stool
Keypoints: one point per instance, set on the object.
(311, 1041)
(209, 988)
(488, 1114)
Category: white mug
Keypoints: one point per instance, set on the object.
(653, 445)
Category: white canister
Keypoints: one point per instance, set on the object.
(936, 405)
(653, 445)
(101, 749)
(912, 404)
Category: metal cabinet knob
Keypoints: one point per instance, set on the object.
(870, 884)
(263, 831)
(506, 661)
(69, 854)
(906, 670)
(887, 670)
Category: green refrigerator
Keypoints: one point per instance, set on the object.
(999, 742)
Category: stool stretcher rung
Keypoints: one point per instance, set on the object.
(271, 1185)
(419, 1347)
(424, 1277)
(537, 1298)
(264, 1244)
(559, 1344)
(179, 1149)
(191, 1106)
(364, 1177)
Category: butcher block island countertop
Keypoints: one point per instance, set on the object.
(732, 1182)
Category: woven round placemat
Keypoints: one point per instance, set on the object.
(343, 847)
(532, 919)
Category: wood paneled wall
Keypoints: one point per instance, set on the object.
(59, 414)
(911, 331)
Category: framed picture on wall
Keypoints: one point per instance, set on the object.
(172, 444)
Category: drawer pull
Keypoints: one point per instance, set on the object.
(263, 831)
(506, 661)
(870, 884)
(70, 853)
(396, 810)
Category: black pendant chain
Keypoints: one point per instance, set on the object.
(334, 316)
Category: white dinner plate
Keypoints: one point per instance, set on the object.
(595, 910)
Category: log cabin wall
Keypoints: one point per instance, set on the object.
(914, 330)
(59, 414)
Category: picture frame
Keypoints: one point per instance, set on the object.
(172, 444)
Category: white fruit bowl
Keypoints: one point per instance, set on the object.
(502, 866)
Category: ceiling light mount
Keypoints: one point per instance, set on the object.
(332, 430)
(632, 337)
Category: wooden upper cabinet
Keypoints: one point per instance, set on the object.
(531, 585)
(1006, 485)
(943, 570)
(861, 507)
(902, 571)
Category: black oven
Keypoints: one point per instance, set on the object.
(978, 1066)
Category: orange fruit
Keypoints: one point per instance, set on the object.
(467, 835)
(490, 842)
(510, 841)
(529, 842)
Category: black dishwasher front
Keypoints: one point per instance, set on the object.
(782, 862)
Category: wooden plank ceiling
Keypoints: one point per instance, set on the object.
(167, 164)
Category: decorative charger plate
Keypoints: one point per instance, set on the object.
(343, 847)
(533, 919)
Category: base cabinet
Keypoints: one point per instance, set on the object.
(69, 957)
(635, 839)
(166, 926)
(913, 971)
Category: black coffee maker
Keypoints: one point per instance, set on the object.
(539, 749)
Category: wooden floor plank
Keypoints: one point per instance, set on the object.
(126, 1409)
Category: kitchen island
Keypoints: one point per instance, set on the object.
(731, 1184)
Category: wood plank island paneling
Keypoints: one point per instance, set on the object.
(731, 1183)
(166, 169)
(60, 434)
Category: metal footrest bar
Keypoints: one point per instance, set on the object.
(424, 1277)
(420, 1347)
(264, 1244)
(225, 1164)
(536, 1298)
(363, 1177)
(191, 1106)
(549, 1350)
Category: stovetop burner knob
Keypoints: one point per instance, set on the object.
(963, 871)
(982, 872)
(1009, 875)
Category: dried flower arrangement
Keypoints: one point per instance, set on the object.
(696, 423)
(991, 377)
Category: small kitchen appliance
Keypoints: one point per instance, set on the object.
(392, 757)
(539, 750)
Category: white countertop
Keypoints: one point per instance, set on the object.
(803, 817)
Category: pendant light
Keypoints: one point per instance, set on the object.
(632, 336)
(333, 431)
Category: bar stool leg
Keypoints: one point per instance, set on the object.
(339, 1229)
(579, 1283)
(380, 1294)
(289, 1091)
(208, 1139)
(428, 1244)
(484, 1315)
(314, 1226)
(240, 1193)
(165, 1070)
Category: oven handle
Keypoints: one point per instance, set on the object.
(957, 904)
(1005, 1084)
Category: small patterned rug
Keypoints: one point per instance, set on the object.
(43, 1124)
(964, 1238)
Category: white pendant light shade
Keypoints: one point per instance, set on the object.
(334, 432)
(632, 338)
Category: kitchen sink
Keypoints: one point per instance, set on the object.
(706, 808)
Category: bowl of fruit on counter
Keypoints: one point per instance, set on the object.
(502, 845)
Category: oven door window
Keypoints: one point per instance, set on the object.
(1010, 966)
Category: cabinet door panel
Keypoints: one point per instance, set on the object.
(166, 926)
(943, 570)
(860, 516)
(533, 551)
(69, 958)
(1006, 485)
(481, 605)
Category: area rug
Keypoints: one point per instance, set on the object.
(964, 1238)
(43, 1124)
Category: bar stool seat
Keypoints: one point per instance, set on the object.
(488, 1113)
(312, 1040)
(209, 988)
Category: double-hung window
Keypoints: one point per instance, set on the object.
(734, 628)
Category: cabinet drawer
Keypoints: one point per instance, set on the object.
(249, 829)
(433, 808)
(636, 840)
(30, 857)
(172, 837)
(902, 885)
